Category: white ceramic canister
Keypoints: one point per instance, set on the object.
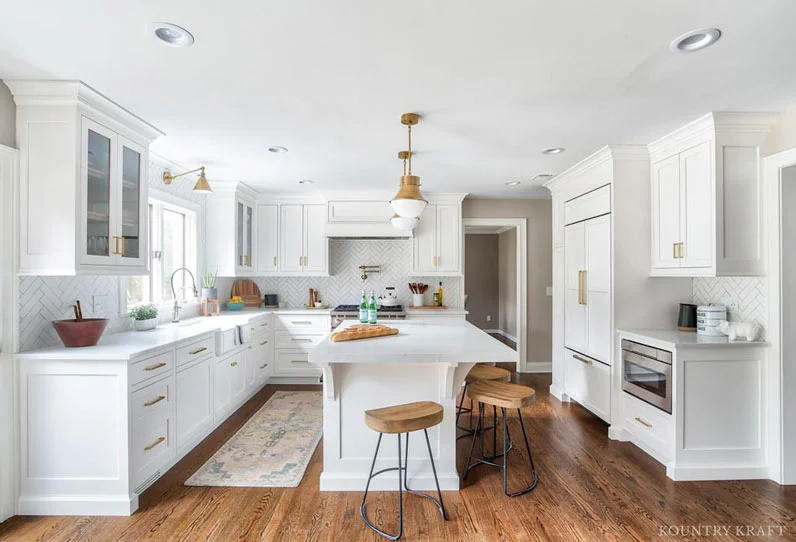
(708, 318)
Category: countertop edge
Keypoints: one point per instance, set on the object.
(672, 338)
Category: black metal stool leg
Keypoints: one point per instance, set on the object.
(467, 430)
(505, 458)
(363, 512)
(472, 444)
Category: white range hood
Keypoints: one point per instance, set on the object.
(362, 219)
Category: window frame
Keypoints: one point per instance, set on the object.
(156, 203)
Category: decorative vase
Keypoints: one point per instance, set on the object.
(145, 325)
(211, 294)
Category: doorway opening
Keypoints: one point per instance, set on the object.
(495, 280)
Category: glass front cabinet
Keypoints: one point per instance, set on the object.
(113, 200)
(244, 236)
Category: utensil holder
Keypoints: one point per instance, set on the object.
(417, 300)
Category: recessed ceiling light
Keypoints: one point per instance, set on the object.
(277, 149)
(542, 177)
(695, 40)
(171, 34)
(512, 183)
(306, 181)
(553, 150)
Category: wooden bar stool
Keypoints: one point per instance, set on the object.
(477, 374)
(503, 395)
(396, 420)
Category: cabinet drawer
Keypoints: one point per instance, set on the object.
(287, 339)
(151, 367)
(589, 382)
(195, 350)
(295, 363)
(303, 322)
(152, 446)
(260, 325)
(262, 340)
(155, 399)
(589, 205)
(649, 424)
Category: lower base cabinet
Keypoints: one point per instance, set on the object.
(153, 437)
(588, 382)
(194, 401)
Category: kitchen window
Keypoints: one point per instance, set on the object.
(172, 243)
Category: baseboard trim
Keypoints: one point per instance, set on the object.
(558, 393)
(295, 380)
(703, 474)
(538, 367)
(77, 505)
(355, 481)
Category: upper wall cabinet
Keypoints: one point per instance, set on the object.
(303, 247)
(437, 241)
(83, 181)
(707, 204)
(267, 238)
(231, 215)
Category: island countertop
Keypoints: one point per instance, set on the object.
(433, 340)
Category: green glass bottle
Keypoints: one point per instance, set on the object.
(372, 309)
(363, 309)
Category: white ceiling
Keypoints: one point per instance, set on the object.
(496, 82)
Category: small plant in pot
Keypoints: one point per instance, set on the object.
(145, 317)
(209, 290)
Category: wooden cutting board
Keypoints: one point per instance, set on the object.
(249, 291)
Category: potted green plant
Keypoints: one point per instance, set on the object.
(145, 317)
(209, 290)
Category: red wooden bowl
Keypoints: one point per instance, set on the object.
(85, 332)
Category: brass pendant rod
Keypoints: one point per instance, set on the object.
(410, 148)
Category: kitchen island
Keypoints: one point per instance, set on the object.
(426, 361)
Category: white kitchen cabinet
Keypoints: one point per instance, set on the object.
(267, 238)
(230, 230)
(437, 241)
(84, 165)
(194, 401)
(303, 246)
(295, 335)
(237, 364)
(707, 207)
(222, 388)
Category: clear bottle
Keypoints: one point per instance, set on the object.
(363, 309)
(372, 309)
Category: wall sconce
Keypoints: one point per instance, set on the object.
(201, 186)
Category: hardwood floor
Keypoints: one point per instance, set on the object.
(590, 488)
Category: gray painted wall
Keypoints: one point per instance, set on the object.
(481, 279)
(507, 282)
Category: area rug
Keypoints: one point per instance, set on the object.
(273, 449)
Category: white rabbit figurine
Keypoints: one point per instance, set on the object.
(733, 330)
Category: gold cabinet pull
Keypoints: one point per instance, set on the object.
(300, 361)
(263, 343)
(155, 401)
(263, 366)
(156, 366)
(680, 250)
(233, 364)
(274, 261)
(116, 244)
(301, 340)
(642, 422)
(250, 348)
(583, 286)
(301, 322)
(674, 251)
(264, 324)
(198, 350)
(158, 441)
(587, 361)
(123, 239)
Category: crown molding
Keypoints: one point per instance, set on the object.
(605, 154)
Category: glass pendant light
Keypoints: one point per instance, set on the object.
(409, 202)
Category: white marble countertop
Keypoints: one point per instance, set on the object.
(673, 338)
(436, 312)
(133, 344)
(433, 340)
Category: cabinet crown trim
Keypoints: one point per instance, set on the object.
(609, 152)
(77, 93)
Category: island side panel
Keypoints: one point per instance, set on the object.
(349, 444)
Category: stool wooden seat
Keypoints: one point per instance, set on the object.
(399, 419)
(487, 372)
(404, 418)
(501, 394)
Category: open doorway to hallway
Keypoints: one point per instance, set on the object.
(495, 280)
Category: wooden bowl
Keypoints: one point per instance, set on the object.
(86, 332)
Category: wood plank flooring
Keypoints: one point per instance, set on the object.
(590, 488)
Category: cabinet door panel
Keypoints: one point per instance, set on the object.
(665, 213)
(291, 237)
(315, 242)
(575, 263)
(267, 237)
(599, 329)
(248, 261)
(222, 391)
(696, 202)
(240, 213)
(133, 205)
(194, 401)
(424, 242)
(449, 238)
(237, 377)
(99, 171)
(597, 285)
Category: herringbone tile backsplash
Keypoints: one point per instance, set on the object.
(751, 293)
(345, 286)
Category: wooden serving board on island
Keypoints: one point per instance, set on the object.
(429, 307)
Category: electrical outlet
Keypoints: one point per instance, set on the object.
(549, 291)
(488, 317)
(101, 305)
(731, 302)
